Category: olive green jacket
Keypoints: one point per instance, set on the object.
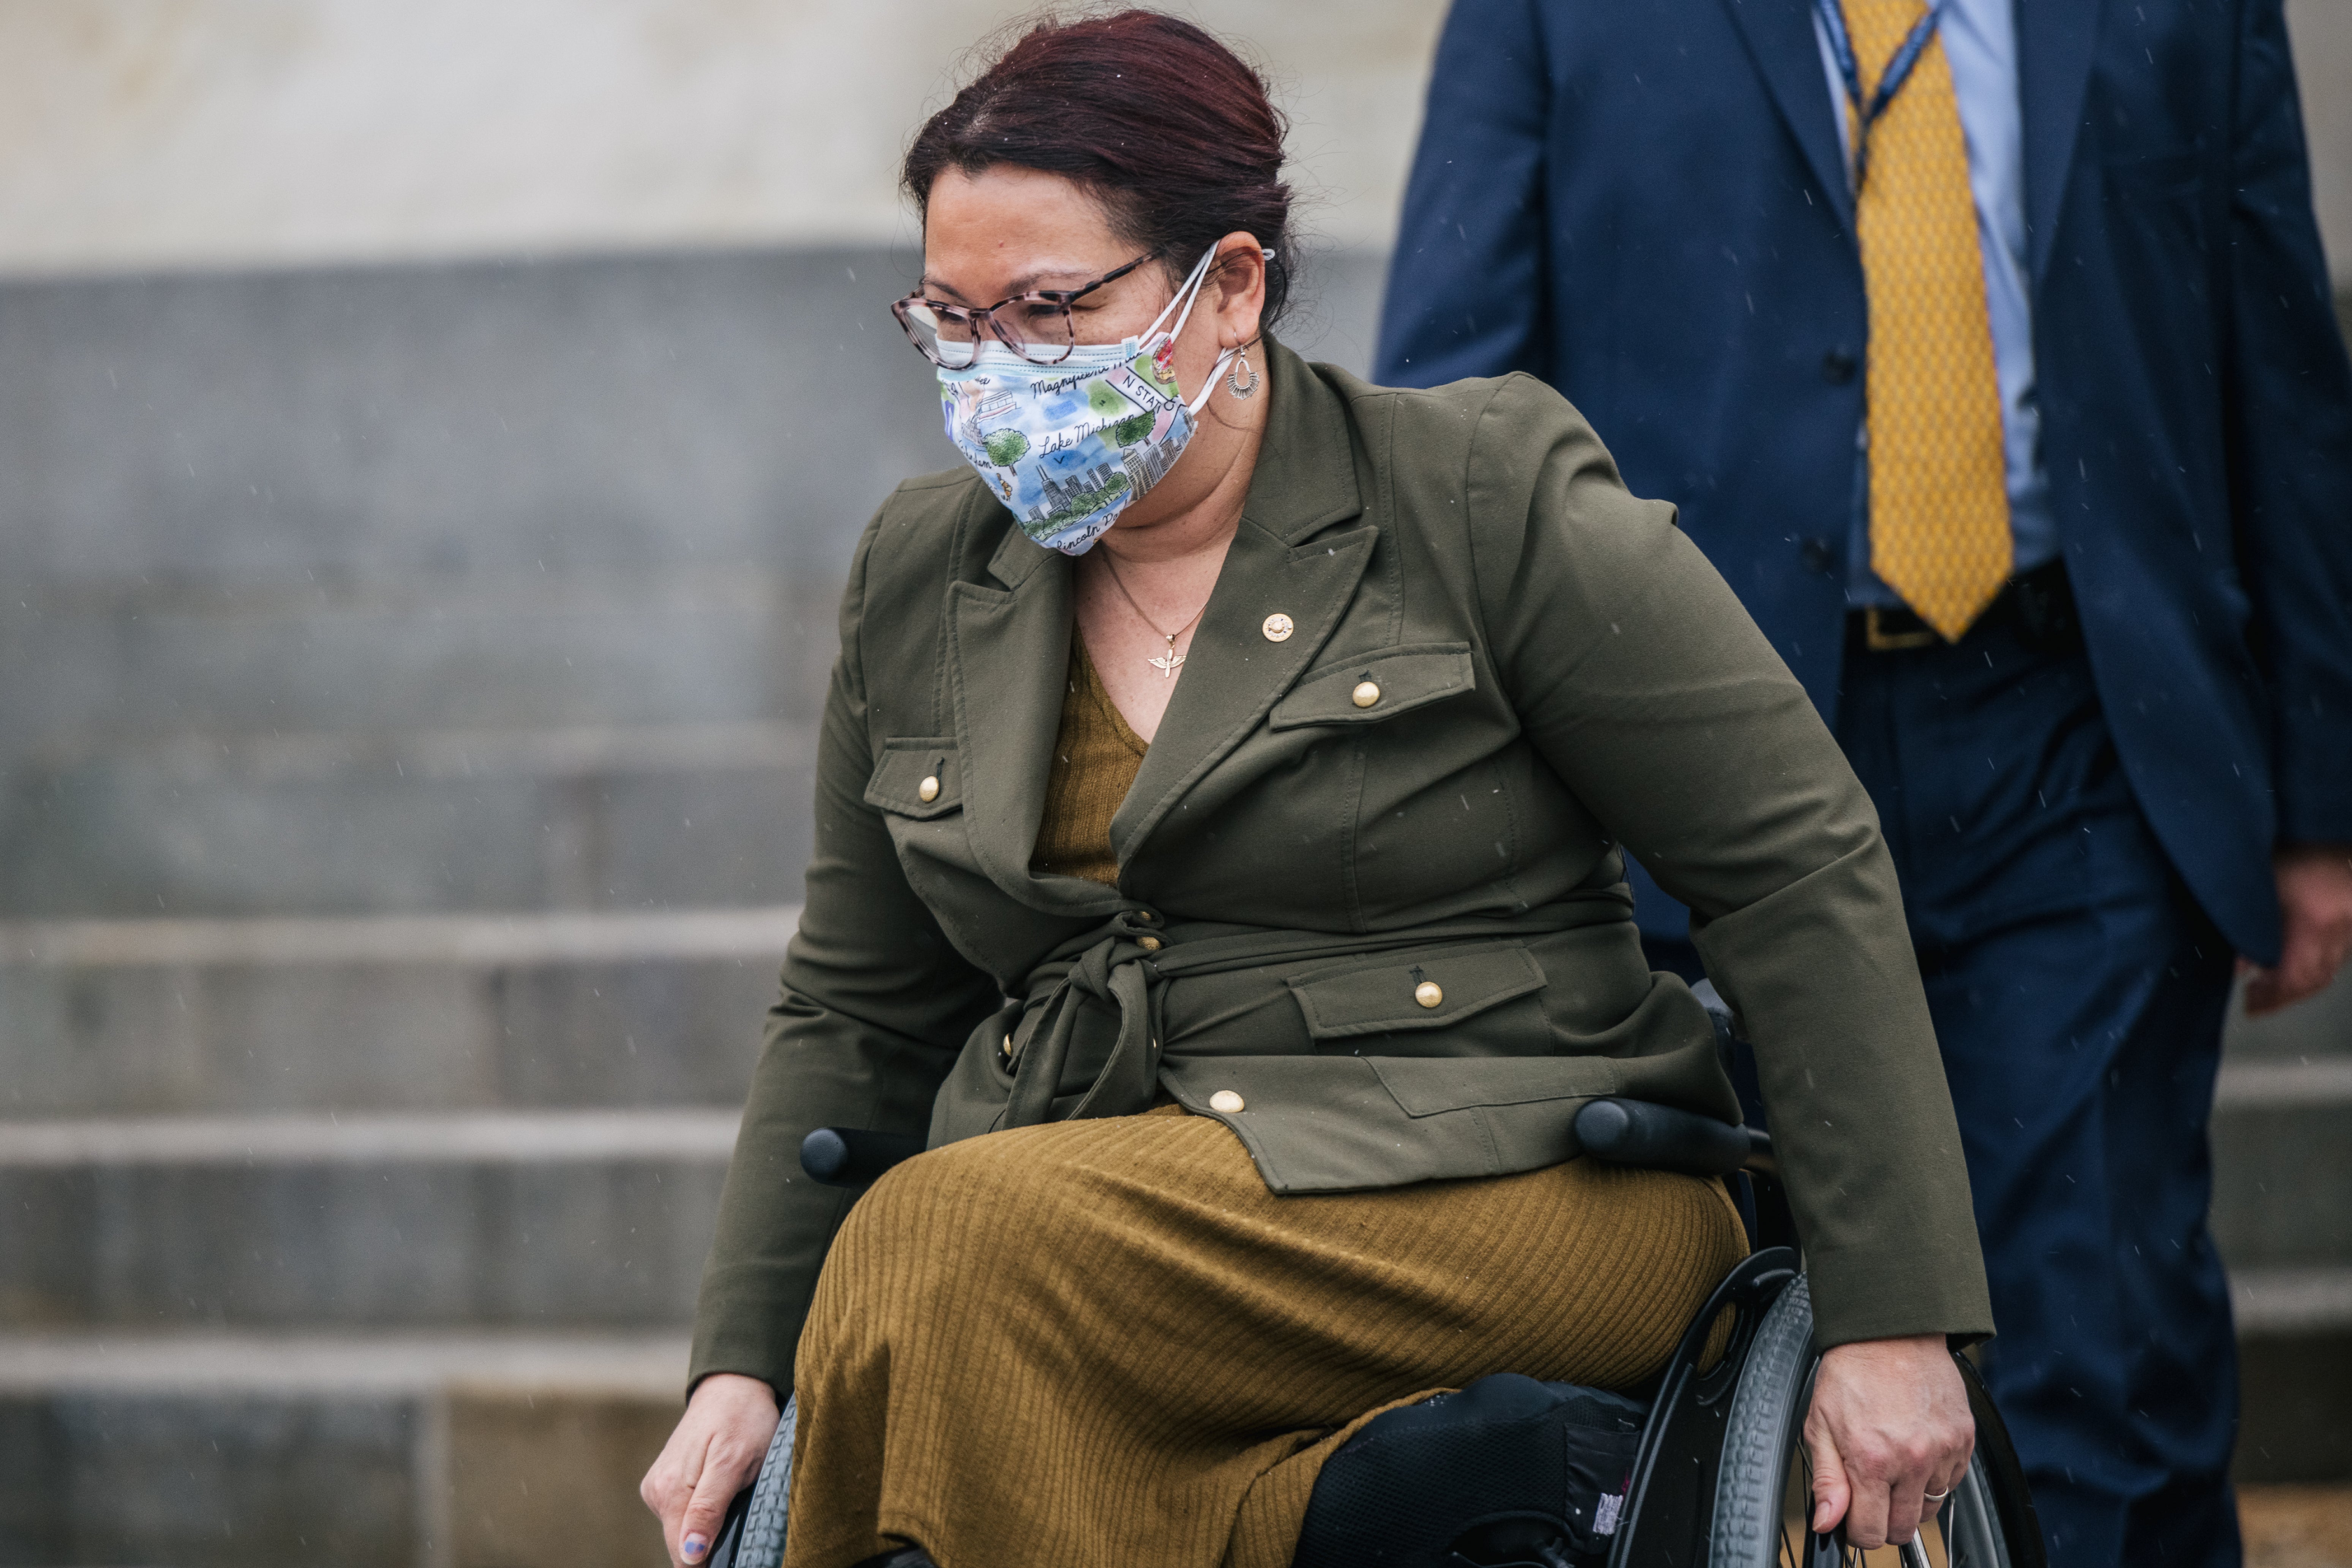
(1369, 878)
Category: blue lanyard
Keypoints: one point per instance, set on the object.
(1890, 81)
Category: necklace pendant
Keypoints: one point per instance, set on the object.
(1166, 663)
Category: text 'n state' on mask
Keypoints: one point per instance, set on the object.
(1068, 447)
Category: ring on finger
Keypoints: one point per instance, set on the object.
(1938, 1497)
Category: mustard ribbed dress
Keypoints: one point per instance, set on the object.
(1106, 1344)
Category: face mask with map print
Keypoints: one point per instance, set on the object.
(1068, 447)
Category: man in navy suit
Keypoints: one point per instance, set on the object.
(1988, 351)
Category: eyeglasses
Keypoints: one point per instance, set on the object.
(1035, 325)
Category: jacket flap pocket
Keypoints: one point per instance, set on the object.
(1413, 991)
(1377, 686)
(1431, 1085)
(917, 777)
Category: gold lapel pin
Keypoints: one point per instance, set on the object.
(1278, 627)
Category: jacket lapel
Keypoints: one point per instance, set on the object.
(1306, 482)
(1780, 36)
(1010, 660)
(2055, 41)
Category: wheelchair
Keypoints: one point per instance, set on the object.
(1719, 1477)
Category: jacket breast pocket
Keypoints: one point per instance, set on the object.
(1473, 1002)
(1377, 686)
(917, 777)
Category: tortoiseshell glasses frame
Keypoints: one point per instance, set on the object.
(1037, 325)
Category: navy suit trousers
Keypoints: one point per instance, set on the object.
(2078, 994)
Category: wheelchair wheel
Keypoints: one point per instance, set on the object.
(1763, 1489)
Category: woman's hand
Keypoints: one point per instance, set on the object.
(713, 1455)
(1890, 1424)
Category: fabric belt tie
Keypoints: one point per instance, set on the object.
(1116, 972)
(1103, 995)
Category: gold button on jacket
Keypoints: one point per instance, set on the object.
(1556, 671)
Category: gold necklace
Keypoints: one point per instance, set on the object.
(1166, 663)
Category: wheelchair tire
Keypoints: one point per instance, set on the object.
(1987, 1522)
(754, 1535)
(1768, 1409)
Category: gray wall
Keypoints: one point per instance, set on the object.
(465, 421)
(330, 588)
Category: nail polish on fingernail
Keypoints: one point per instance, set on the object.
(694, 1546)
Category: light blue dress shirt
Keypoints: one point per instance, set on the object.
(1979, 38)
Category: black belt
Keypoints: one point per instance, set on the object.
(2038, 607)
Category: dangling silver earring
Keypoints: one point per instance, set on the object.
(1234, 376)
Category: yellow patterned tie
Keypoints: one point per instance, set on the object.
(1940, 532)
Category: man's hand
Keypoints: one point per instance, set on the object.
(2314, 883)
(713, 1455)
(1890, 1424)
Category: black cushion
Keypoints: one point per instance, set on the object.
(1439, 1483)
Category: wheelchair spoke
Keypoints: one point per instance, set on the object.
(1933, 1545)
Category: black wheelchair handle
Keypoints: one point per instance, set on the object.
(852, 1156)
(1660, 1138)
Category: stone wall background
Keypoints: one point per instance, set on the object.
(430, 439)
(145, 133)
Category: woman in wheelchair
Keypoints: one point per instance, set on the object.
(1218, 829)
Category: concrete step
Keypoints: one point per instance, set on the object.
(582, 818)
(372, 422)
(110, 664)
(542, 1219)
(221, 1450)
(662, 1009)
(2318, 1026)
(2283, 1162)
(2282, 1218)
(385, 1012)
(474, 1450)
(527, 1218)
(422, 421)
(2294, 1365)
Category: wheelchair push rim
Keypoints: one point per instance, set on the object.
(1764, 1484)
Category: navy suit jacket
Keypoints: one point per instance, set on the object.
(1642, 202)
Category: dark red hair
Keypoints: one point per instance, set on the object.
(1166, 126)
